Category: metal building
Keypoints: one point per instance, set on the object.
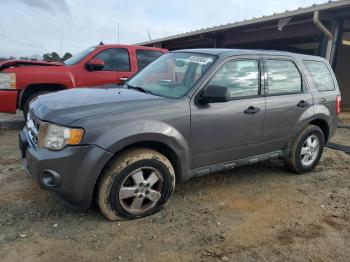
(322, 30)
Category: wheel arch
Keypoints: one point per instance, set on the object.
(323, 124)
(173, 152)
(35, 88)
(162, 148)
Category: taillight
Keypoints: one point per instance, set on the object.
(338, 105)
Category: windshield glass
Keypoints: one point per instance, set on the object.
(76, 58)
(173, 74)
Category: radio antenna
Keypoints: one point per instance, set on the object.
(118, 34)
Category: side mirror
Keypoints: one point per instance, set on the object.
(214, 94)
(95, 64)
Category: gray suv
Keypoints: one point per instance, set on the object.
(187, 114)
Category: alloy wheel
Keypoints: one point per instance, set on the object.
(140, 190)
(310, 150)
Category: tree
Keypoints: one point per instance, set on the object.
(52, 57)
(55, 57)
(66, 56)
(47, 57)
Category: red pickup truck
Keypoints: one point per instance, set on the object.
(21, 81)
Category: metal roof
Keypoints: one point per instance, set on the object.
(232, 51)
(300, 11)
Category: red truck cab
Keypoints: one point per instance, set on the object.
(21, 81)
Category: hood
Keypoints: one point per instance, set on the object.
(14, 63)
(66, 107)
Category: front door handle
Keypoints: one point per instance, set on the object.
(251, 110)
(302, 103)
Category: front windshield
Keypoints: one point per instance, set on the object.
(173, 74)
(76, 58)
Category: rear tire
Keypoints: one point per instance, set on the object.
(138, 183)
(306, 150)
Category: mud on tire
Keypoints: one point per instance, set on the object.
(118, 172)
(294, 160)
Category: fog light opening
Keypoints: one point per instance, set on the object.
(50, 178)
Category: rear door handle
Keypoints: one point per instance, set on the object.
(251, 110)
(302, 103)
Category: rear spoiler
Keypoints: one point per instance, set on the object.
(14, 63)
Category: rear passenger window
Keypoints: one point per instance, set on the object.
(241, 77)
(145, 57)
(116, 59)
(283, 77)
(320, 75)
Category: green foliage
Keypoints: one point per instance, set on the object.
(47, 57)
(54, 57)
(66, 56)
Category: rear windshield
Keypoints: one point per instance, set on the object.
(320, 75)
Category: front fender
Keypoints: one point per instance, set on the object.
(128, 133)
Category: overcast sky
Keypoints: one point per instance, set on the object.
(30, 27)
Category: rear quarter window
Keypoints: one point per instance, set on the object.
(319, 75)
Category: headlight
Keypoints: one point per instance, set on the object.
(7, 80)
(57, 137)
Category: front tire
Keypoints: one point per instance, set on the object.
(138, 183)
(306, 150)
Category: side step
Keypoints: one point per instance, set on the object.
(203, 171)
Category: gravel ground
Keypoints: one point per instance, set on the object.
(11, 121)
(255, 213)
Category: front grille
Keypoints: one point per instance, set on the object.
(33, 126)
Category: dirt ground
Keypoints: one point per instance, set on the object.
(255, 213)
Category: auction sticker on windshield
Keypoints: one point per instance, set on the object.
(200, 60)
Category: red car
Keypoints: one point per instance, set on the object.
(21, 81)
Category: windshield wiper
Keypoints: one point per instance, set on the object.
(138, 88)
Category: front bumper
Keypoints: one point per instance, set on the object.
(77, 167)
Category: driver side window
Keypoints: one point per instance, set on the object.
(116, 59)
(241, 77)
